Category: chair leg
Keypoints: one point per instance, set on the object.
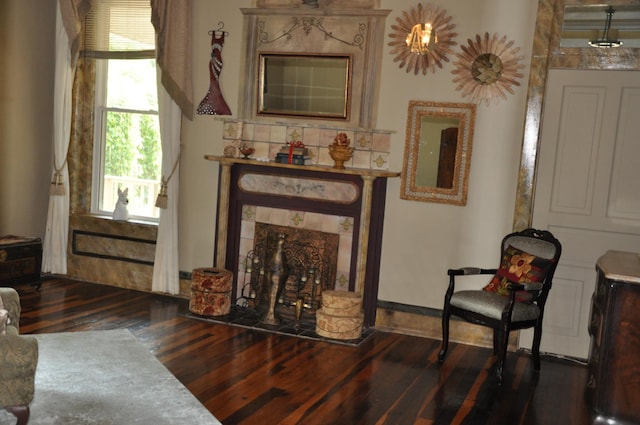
(445, 334)
(503, 342)
(20, 412)
(535, 347)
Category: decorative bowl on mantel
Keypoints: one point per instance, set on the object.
(340, 155)
(247, 150)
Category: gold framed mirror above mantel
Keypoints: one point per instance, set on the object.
(331, 30)
(305, 85)
(437, 153)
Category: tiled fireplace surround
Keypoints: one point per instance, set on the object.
(372, 147)
(348, 203)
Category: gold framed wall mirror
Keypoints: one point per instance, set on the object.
(437, 153)
(306, 85)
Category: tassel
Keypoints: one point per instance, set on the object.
(162, 199)
(57, 186)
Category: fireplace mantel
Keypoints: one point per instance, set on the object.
(366, 209)
(364, 172)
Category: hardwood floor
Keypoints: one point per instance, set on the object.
(249, 377)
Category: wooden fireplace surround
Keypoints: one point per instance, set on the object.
(367, 212)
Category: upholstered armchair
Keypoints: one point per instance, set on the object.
(514, 298)
(18, 360)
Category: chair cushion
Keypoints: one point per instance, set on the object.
(491, 304)
(518, 266)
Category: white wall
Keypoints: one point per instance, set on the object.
(421, 240)
(26, 114)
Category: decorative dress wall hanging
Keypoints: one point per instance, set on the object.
(214, 103)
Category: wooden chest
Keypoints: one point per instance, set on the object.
(20, 260)
(613, 387)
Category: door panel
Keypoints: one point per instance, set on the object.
(587, 191)
(624, 202)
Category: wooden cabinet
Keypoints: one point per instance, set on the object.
(613, 387)
(20, 260)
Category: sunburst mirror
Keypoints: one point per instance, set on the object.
(422, 38)
(487, 68)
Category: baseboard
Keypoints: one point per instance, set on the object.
(427, 322)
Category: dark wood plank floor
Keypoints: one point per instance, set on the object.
(249, 377)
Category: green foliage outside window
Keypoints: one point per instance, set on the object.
(118, 150)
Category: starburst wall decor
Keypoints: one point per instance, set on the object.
(435, 47)
(487, 68)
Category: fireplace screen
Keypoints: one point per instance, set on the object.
(309, 261)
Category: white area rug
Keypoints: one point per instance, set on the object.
(107, 378)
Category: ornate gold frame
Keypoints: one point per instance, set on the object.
(418, 110)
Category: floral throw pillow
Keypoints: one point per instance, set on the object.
(519, 267)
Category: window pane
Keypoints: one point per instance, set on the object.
(132, 159)
(131, 84)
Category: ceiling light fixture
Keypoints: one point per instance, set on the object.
(609, 36)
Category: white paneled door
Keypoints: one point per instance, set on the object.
(587, 191)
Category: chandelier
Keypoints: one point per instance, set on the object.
(419, 39)
(609, 36)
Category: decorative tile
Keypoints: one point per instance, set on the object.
(346, 225)
(362, 140)
(381, 142)
(296, 218)
(278, 134)
(262, 132)
(380, 161)
(311, 136)
(294, 134)
(247, 229)
(229, 130)
(249, 212)
(262, 150)
(247, 131)
(361, 159)
(326, 136)
(263, 214)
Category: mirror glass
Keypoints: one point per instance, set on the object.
(437, 153)
(582, 23)
(486, 68)
(304, 85)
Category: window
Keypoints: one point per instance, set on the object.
(127, 151)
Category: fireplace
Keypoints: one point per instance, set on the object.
(336, 214)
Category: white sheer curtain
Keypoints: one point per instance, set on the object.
(166, 265)
(54, 257)
(172, 22)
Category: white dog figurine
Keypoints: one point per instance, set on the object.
(121, 213)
